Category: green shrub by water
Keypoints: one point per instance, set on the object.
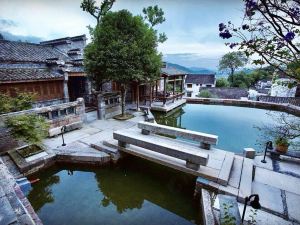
(29, 128)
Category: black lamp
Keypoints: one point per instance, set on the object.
(269, 145)
(254, 204)
(63, 129)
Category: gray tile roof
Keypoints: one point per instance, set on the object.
(170, 71)
(200, 78)
(21, 74)
(27, 52)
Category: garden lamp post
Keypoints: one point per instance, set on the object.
(254, 204)
(63, 129)
(269, 145)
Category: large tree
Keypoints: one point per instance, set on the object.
(123, 49)
(270, 33)
(231, 62)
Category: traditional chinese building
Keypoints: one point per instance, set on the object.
(53, 70)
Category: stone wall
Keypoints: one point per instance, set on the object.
(109, 105)
(291, 109)
(71, 115)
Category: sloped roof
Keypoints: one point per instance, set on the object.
(170, 71)
(28, 52)
(21, 74)
(200, 78)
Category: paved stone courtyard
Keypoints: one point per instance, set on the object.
(277, 182)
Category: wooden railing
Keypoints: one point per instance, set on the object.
(160, 97)
(280, 100)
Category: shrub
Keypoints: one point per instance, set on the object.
(205, 94)
(29, 128)
(21, 102)
(282, 141)
(222, 82)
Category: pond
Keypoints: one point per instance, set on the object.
(234, 125)
(131, 192)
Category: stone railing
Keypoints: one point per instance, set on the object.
(247, 103)
(280, 100)
(71, 115)
(109, 105)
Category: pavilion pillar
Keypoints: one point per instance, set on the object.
(182, 84)
(165, 90)
(174, 89)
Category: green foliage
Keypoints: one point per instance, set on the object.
(228, 219)
(205, 94)
(123, 49)
(222, 82)
(29, 128)
(253, 216)
(97, 11)
(282, 141)
(246, 80)
(232, 61)
(155, 16)
(21, 102)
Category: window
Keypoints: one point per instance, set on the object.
(208, 85)
(189, 94)
(189, 85)
(54, 114)
(71, 110)
(63, 112)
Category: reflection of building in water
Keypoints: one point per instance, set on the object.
(42, 191)
(136, 182)
(172, 118)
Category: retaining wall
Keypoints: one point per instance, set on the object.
(291, 109)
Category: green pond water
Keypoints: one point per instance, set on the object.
(133, 192)
(235, 126)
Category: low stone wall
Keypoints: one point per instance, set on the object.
(109, 105)
(71, 115)
(291, 109)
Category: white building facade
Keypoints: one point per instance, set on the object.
(194, 82)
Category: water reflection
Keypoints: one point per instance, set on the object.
(172, 119)
(42, 191)
(132, 192)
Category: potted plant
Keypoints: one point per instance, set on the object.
(282, 144)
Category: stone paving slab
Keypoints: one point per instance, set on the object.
(293, 206)
(7, 215)
(264, 218)
(270, 197)
(246, 179)
(278, 180)
(36, 156)
(236, 171)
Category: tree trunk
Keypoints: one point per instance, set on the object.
(123, 97)
(232, 78)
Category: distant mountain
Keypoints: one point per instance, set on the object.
(201, 70)
(191, 70)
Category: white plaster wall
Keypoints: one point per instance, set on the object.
(282, 90)
(195, 89)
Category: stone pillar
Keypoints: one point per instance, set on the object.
(80, 109)
(137, 97)
(66, 90)
(100, 107)
(88, 86)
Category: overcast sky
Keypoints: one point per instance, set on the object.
(191, 25)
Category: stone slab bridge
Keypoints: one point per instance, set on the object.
(158, 144)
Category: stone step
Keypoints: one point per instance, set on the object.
(246, 179)
(226, 169)
(236, 172)
(108, 148)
